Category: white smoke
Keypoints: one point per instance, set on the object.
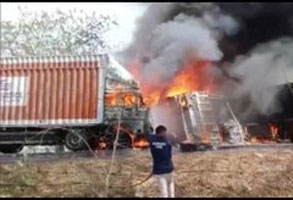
(168, 35)
(154, 16)
(266, 66)
(172, 41)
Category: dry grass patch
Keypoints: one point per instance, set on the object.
(267, 173)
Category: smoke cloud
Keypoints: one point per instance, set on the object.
(266, 66)
(258, 23)
(254, 40)
(170, 34)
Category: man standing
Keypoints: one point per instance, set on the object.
(161, 150)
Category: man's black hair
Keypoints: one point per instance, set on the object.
(160, 129)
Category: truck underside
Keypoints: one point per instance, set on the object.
(12, 140)
(134, 125)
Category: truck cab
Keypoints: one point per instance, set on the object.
(135, 123)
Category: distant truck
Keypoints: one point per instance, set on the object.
(64, 100)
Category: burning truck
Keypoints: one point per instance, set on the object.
(183, 54)
(196, 110)
(193, 108)
(67, 100)
(203, 120)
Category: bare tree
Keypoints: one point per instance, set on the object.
(58, 33)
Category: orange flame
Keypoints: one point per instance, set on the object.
(129, 99)
(115, 98)
(102, 145)
(255, 140)
(205, 135)
(111, 99)
(274, 130)
(261, 140)
(205, 140)
(193, 77)
(141, 143)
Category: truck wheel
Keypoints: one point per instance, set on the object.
(11, 148)
(75, 141)
(124, 142)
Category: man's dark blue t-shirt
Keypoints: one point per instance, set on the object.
(161, 151)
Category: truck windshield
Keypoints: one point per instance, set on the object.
(124, 99)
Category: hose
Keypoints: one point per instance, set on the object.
(145, 180)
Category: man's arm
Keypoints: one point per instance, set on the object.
(174, 140)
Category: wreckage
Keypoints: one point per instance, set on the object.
(199, 120)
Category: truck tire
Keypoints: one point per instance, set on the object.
(124, 141)
(11, 148)
(75, 141)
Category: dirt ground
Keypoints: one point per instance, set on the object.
(262, 173)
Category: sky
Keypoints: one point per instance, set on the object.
(125, 14)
